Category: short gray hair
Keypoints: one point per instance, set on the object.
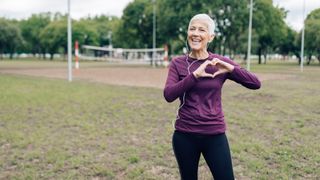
(208, 19)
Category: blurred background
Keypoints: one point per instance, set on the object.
(112, 121)
(41, 28)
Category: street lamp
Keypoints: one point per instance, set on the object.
(69, 45)
(110, 42)
(110, 38)
(154, 34)
(249, 38)
(302, 38)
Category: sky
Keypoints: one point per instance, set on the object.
(22, 9)
(295, 7)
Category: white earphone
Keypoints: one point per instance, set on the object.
(184, 94)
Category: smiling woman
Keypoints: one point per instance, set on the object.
(197, 79)
(200, 27)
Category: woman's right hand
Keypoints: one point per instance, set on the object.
(200, 71)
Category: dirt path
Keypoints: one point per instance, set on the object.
(130, 76)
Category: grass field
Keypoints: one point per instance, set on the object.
(52, 129)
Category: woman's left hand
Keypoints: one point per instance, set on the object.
(223, 67)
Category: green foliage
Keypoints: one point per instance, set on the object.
(172, 26)
(106, 28)
(31, 29)
(54, 36)
(288, 44)
(85, 33)
(97, 31)
(231, 19)
(46, 32)
(10, 37)
(268, 22)
(312, 31)
(135, 29)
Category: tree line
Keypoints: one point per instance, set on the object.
(47, 32)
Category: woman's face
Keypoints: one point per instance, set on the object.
(198, 35)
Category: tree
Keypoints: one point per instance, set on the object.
(106, 26)
(10, 37)
(231, 18)
(54, 36)
(135, 28)
(269, 25)
(288, 45)
(312, 35)
(85, 32)
(232, 21)
(31, 29)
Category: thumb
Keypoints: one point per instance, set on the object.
(207, 75)
(217, 73)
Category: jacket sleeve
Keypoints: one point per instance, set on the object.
(175, 87)
(243, 77)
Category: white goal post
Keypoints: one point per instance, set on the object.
(120, 55)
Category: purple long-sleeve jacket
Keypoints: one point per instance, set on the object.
(200, 109)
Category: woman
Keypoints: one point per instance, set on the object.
(196, 79)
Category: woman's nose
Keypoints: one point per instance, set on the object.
(195, 32)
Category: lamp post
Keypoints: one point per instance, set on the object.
(110, 43)
(249, 38)
(154, 35)
(69, 45)
(302, 38)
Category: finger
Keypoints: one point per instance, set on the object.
(207, 75)
(220, 64)
(218, 73)
(215, 60)
(208, 62)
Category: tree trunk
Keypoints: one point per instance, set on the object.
(231, 54)
(234, 51)
(265, 57)
(39, 52)
(245, 56)
(259, 54)
(309, 59)
(298, 56)
(51, 56)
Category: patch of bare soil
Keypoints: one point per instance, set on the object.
(129, 76)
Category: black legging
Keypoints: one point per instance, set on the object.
(214, 148)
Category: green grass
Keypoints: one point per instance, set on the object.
(52, 129)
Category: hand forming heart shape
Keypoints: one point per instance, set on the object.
(223, 67)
